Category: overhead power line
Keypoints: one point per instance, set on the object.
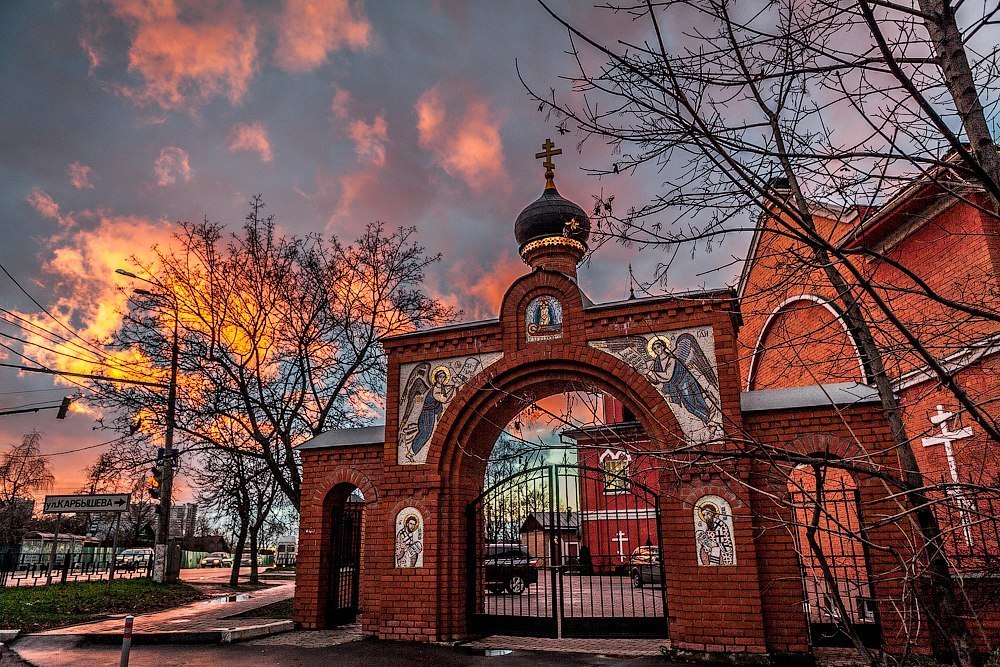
(89, 376)
(45, 310)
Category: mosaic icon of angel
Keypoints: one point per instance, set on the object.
(424, 398)
(672, 370)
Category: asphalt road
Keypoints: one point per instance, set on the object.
(70, 651)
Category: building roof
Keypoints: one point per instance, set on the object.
(842, 393)
(346, 437)
(566, 520)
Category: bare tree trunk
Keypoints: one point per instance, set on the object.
(942, 601)
(241, 541)
(958, 78)
(253, 555)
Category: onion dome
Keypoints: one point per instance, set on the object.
(551, 215)
(552, 231)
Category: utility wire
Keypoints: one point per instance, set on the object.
(46, 311)
(22, 321)
(41, 369)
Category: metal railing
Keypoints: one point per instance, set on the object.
(32, 568)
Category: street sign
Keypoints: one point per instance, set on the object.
(109, 502)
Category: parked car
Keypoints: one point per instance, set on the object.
(511, 567)
(216, 559)
(644, 567)
(134, 559)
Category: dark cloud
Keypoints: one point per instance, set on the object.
(431, 128)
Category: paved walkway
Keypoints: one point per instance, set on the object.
(202, 621)
(312, 638)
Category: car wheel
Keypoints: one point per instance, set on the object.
(516, 584)
(636, 579)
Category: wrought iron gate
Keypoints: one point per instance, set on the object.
(345, 561)
(843, 596)
(565, 550)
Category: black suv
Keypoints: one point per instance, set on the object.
(644, 567)
(509, 566)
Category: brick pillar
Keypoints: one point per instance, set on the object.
(715, 608)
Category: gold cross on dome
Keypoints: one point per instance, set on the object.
(548, 153)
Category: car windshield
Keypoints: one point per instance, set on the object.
(218, 554)
(507, 551)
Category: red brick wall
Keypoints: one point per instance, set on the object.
(328, 477)
(950, 250)
(861, 435)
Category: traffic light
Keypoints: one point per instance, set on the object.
(64, 407)
(157, 471)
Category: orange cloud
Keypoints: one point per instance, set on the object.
(311, 29)
(251, 137)
(42, 202)
(369, 139)
(466, 143)
(482, 286)
(341, 102)
(79, 176)
(83, 260)
(172, 164)
(186, 53)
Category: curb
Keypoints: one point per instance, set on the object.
(214, 636)
(7, 636)
(256, 631)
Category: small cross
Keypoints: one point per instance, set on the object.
(621, 540)
(946, 437)
(548, 153)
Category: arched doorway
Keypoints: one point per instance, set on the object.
(345, 513)
(569, 544)
(538, 567)
(832, 546)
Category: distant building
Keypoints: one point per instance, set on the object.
(182, 519)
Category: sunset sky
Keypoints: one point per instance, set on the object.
(122, 117)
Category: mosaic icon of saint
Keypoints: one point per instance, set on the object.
(409, 542)
(679, 384)
(544, 318)
(714, 541)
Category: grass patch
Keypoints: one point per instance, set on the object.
(38, 608)
(281, 609)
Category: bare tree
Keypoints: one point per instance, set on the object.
(242, 492)
(279, 336)
(23, 473)
(773, 108)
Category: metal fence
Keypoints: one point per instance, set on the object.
(970, 525)
(32, 568)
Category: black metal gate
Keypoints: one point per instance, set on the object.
(345, 561)
(563, 551)
(837, 581)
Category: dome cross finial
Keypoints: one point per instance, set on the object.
(549, 150)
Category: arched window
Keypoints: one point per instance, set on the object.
(615, 464)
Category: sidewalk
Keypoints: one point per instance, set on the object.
(205, 621)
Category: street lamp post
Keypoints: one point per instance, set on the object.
(161, 547)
